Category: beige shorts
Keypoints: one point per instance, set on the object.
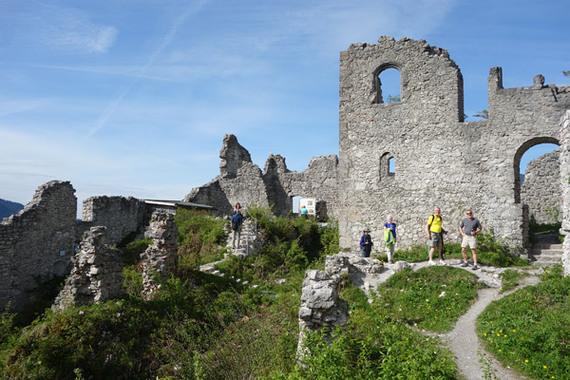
(470, 241)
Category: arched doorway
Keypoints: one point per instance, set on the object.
(537, 186)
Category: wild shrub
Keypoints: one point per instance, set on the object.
(201, 238)
(493, 252)
(290, 244)
(132, 251)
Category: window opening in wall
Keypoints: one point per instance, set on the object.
(387, 166)
(389, 85)
(532, 154)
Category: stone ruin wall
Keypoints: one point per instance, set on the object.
(160, 259)
(242, 181)
(440, 160)
(121, 215)
(37, 243)
(96, 275)
(541, 189)
(565, 185)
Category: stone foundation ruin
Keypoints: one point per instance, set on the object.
(96, 275)
(160, 259)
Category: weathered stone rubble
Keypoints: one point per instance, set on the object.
(159, 260)
(96, 275)
(320, 305)
(565, 184)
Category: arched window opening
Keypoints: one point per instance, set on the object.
(387, 167)
(528, 152)
(387, 86)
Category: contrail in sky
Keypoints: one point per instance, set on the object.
(111, 108)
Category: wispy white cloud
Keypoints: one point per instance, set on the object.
(40, 25)
(113, 106)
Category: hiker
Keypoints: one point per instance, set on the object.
(435, 234)
(237, 209)
(366, 243)
(469, 228)
(390, 238)
(236, 221)
(304, 212)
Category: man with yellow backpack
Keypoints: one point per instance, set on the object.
(435, 234)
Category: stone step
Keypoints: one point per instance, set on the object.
(557, 252)
(547, 246)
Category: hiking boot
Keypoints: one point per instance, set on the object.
(431, 262)
(464, 264)
(441, 262)
(475, 267)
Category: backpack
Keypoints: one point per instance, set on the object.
(236, 221)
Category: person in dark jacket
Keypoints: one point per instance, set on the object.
(366, 243)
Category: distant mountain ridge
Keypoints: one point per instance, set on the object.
(8, 208)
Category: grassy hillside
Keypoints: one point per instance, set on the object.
(201, 326)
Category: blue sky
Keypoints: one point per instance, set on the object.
(134, 97)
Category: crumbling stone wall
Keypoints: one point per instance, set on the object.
(96, 275)
(541, 189)
(37, 243)
(242, 181)
(121, 215)
(320, 305)
(440, 160)
(159, 260)
(565, 185)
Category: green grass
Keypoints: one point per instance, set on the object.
(528, 329)
(432, 298)
(201, 326)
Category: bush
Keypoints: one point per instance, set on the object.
(201, 239)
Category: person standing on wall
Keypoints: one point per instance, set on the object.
(469, 228)
(390, 238)
(435, 234)
(236, 221)
(366, 243)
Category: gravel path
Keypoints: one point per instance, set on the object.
(473, 361)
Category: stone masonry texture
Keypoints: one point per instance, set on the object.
(565, 185)
(440, 160)
(242, 181)
(96, 275)
(37, 244)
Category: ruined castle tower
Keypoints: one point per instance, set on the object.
(438, 158)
